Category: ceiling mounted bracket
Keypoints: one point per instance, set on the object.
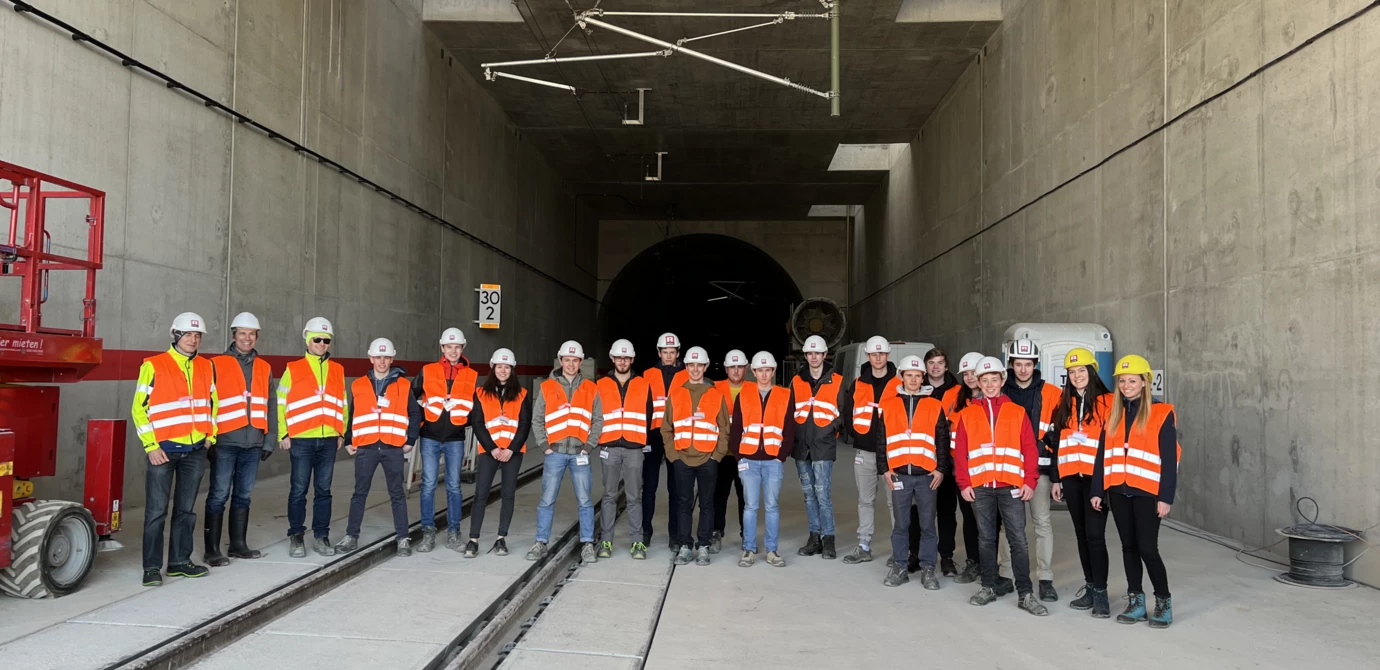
(657, 176)
(641, 109)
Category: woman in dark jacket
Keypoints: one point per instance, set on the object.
(502, 419)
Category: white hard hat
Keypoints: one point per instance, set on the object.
(1022, 349)
(245, 320)
(877, 345)
(735, 357)
(188, 322)
(988, 365)
(667, 340)
(452, 336)
(318, 325)
(763, 359)
(815, 343)
(969, 362)
(504, 356)
(571, 348)
(697, 355)
(622, 348)
(911, 363)
(382, 347)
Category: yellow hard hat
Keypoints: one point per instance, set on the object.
(1132, 365)
(1078, 357)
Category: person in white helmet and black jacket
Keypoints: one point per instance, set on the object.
(667, 373)
(502, 420)
(445, 390)
(627, 404)
(915, 457)
(1026, 388)
(817, 388)
(859, 403)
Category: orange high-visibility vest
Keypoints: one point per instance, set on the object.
(240, 406)
(910, 441)
(825, 404)
(999, 461)
(380, 419)
(625, 418)
(1078, 443)
(568, 417)
(1136, 462)
(459, 400)
(765, 430)
(311, 406)
(174, 411)
(657, 386)
(501, 419)
(1049, 399)
(726, 390)
(696, 427)
(864, 403)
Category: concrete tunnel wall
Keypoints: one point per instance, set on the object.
(203, 215)
(1237, 246)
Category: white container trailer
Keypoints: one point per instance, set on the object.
(1056, 339)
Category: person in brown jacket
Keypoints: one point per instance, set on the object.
(695, 432)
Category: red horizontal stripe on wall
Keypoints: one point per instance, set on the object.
(123, 365)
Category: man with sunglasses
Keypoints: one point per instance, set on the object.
(312, 416)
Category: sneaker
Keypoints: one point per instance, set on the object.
(858, 555)
(717, 543)
(683, 556)
(1004, 586)
(927, 578)
(428, 540)
(890, 563)
(296, 547)
(153, 577)
(537, 552)
(1101, 608)
(1047, 592)
(896, 577)
(1030, 603)
(912, 562)
(347, 544)
(322, 545)
(984, 596)
(639, 551)
(188, 570)
(500, 547)
(702, 556)
(971, 572)
(453, 542)
(774, 560)
(747, 559)
(471, 549)
(1083, 600)
(1135, 608)
(404, 547)
(605, 549)
(673, 547)
(587, 554)
(1164, 613)
(947, 567)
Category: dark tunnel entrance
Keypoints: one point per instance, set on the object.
(713, 291)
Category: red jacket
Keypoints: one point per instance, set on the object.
(1028, 451)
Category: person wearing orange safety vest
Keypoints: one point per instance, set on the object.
(312, 417)
(382, 431)
(1038, 397)
(817, 422)
(727, 481)
(502, 421)
(243, 383)
(694, 429)
(996, 464)
(1072, 438)
(667, 373)
(762, 430)
(445, 390)
(954, 400)
(568, 419)
(860, 405)
(174, 414)
(1136, 474)
(915, 459)
(627, 404)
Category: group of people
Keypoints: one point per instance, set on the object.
(987, 447)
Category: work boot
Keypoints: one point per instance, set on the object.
(404, 547)
(639, 551)
(428, 540)
(1135, 608)
(947, 567)
(153, 577)
(716, 544)
(1164, 613)
(471, 549)
(747, 559)
(827, 551)
(1083, 600)
(188, 570)
(322, 545)
(896, 577)
(239, 526)
(296, 548)
(812, 546)
(453, 542)
(1029, 603)
(1004, 586)
(912, 562)
(984, 596)
(606, 549)
(774, 560)
(971, 573)
(347, 544)
(1101, 609)
(858, 555)
(927, 578)
(1047, 592)
(537, 552)
(587, 554)
(702, 556)
(500, 547)
(211, 538)
(683, 556)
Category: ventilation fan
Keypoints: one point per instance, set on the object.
(818, 316)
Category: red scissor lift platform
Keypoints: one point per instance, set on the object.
(47, 547)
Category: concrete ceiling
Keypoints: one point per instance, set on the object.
(739, 147)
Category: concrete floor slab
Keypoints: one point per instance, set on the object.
(76, 645)
(541, 659)
(182, 603)
(324, 652)
(622, 614)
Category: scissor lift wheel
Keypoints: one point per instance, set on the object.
(54, 547)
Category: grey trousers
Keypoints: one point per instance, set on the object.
(621, 465)
(1044, 534)
(865, 475)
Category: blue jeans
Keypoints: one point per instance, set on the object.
(554, 467)
(431, 465)
(761, 482)
(815, 479)
(313, 463)
(233, 471)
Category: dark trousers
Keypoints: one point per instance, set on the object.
(687, 478)
(233, 471)
(728, 472)
(175, 481)
(367, 460)
(915, 510)
(651, 479)
(486, 466)
(313, 464)
(950, 502)
(1138, 524)
(1090, 529)
(993, 506)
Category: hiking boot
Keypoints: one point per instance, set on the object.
(827, 552)
(717, 543)
(322, 545)
(984, 596)
(928, 579)
(1083, 600)
(347, 544)
(404, 547)
(747, 559)
(1047, 592)
(1101, 609)
(1004, 586)
(702, 556)
(453, 542)
(500, 547)
(947, 567)
(471, 549)
(683, 556)
(1135, 608)
(428, 540)
(971, 573)
(812, 546)
(858, 555)
(537, 552)
(239, 526)
(296, 548)
(587, 554)
(896, 577)
(188, 570)
(1029, 603)
(153, 577)
(1164, 613)
(211, 540)
(639, 551)
(606, 549)
(774, 560)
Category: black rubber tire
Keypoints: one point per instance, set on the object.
(34, 525)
